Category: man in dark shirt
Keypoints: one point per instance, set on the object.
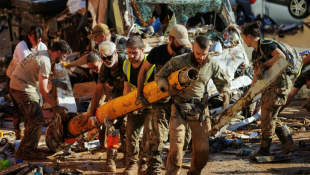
(112, 73)
(136, 119)
(178, 39)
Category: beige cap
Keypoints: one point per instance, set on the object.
(179, 32)
(98, 30)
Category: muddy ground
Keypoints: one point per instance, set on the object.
(219, 163)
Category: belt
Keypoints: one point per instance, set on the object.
(192, 101)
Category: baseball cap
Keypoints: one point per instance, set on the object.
(179, 32)
(98, 30)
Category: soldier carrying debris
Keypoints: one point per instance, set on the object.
(178, 39)
(273, 97)
(112, 73)
(187, 107)
(36, 67)
(140, 118)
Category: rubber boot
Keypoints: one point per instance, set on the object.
(131, 169)
(286, 139)
(264, 147)
(110, 165)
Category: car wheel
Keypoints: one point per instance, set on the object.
(299, 9)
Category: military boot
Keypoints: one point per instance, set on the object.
(286, 139)
(142, 167)
(131, 169)
(264, 147)
(110, 165)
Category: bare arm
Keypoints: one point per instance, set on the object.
(142, 76)
(254, 77)
(43, 81)
(80, 61)
(306, 60)
(127, 88)
(99, 92)
(277, 54)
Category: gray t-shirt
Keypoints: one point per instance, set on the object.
(25, 76)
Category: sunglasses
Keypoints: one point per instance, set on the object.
(108, 57)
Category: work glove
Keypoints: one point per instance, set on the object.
(66, 64)
(107, 122)
(62, 111)
(57, 83)
(226, 99)
(142, 100)
(173, 91)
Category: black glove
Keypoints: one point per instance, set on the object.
(142, 100)
(60, 110)
(59, 84)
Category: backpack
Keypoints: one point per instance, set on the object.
(292, 56)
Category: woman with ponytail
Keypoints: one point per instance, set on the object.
(265, 54)
(31, 43)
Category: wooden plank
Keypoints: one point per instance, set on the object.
(118, 19)
(65, 98)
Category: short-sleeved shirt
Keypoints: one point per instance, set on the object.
(267, 48)
(159, 55)
(113, 76)
(134, 73)
(26, 74)
(21, 52)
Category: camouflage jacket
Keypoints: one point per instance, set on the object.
(209, 70)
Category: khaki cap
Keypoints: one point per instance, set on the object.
(98, 30)
(179, 32)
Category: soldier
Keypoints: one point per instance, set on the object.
(178, 39)
(275, 95)
(36, 67)
(99, 34)
(112, 73)
(187, 108)
(136, 119)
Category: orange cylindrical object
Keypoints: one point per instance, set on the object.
(121, 106)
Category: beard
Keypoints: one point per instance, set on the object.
(110, 63)
(177, 49)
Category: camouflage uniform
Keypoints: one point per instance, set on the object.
(134, 126)
(273, 97)
(34, 120)
(201, 128)
(18, 118)
(161, 113)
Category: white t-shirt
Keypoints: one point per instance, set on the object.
(21, 52)
(26, 75)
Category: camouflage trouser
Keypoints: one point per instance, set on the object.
(272, 100)
(18, 118)
(134, 126)
(34, 120)
(200, 143)
(160, 121)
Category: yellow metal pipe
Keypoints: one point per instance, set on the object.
(125, 104)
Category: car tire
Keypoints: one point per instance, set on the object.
(294, 12)
(241, 16)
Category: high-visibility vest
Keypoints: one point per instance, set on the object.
(126, 69)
